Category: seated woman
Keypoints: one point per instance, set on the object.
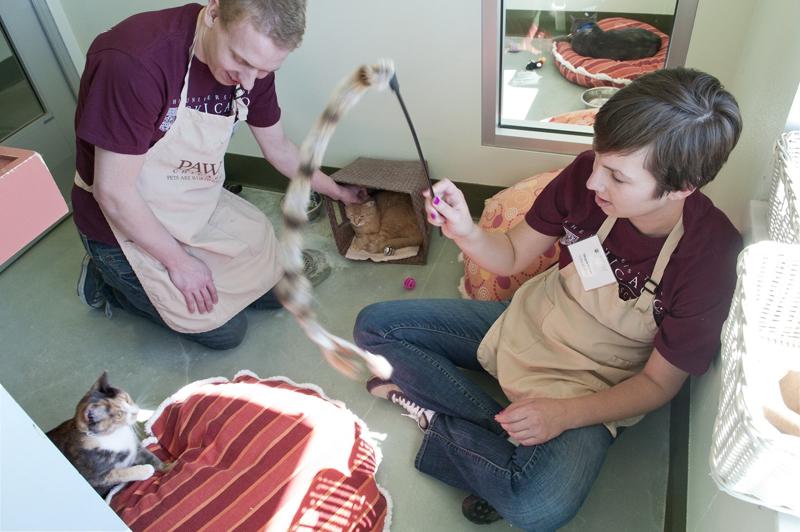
(635, 305)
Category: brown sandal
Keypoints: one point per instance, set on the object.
(479, 511)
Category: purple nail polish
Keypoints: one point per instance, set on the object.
(433, 216)
(436, 200)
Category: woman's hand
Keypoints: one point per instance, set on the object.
(448, 210)
(534, 421)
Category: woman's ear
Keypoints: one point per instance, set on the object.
(680, 194)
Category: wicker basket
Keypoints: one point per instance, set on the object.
(398, 176)
(750, 458)
(784, 211)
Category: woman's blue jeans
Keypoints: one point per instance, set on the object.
(123, 289)
(538, 487)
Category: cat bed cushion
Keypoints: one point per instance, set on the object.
(394, 255)
(501, 212)
(253, 454)
(598, 72)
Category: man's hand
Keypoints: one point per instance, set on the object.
(192, 277)
(352, 194)
(282, 154)
(534, 421)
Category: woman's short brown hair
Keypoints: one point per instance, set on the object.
(283, 21)
(685, 119)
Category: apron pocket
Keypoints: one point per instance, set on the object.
(235, 227)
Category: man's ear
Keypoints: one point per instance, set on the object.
(211, 12)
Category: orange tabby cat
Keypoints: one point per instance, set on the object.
(387, 221)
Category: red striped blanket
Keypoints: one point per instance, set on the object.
(255, 454)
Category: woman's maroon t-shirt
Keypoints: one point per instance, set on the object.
(695, 293)
(129, 93)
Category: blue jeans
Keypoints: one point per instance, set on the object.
(538, 487)
(123, 290)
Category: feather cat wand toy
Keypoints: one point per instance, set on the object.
(294, 289)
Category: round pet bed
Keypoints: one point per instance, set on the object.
(501, 212)
(257, 454)
(594, 72)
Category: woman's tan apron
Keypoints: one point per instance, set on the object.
(181, 181)
(556, 339)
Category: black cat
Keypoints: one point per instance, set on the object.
(589, 40)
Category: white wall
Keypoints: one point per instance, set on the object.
(436, 48)
(754, 48)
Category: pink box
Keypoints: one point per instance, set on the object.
(30, 202)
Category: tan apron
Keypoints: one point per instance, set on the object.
(556, 339)
(181, 181)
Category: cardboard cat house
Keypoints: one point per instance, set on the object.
(407, 177)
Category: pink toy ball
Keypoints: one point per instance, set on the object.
(409, 283)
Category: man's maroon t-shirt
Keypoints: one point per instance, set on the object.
(129, 94)
(695, 293)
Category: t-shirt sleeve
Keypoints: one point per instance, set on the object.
(689, 335)
(122, 104)
(558, 198)
(263, 109)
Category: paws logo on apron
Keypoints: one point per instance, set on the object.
(197, 171)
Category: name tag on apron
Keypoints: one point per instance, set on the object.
(591, 263)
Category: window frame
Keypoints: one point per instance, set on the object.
(546, 137)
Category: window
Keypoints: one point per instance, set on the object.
(539, 93)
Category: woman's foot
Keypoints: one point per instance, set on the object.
(479, 511)
(391, 392)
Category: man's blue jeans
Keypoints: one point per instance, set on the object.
(123, 289)
(538, 487)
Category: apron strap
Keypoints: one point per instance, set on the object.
(80, 183)
(605, 229)
(651, 284)
(238, 108)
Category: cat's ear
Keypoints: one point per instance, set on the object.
(101, 385)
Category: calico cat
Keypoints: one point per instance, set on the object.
(100, 441)
(386, 222)
(589, 40)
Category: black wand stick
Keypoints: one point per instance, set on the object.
(396, 89)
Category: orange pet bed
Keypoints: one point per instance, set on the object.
(501, 212)
(582, 117)
(252, 454)
(594, 72)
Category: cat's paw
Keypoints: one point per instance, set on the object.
(143, 471)
(166, 466)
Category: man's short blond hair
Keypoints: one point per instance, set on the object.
(284, 21)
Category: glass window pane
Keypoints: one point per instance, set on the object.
(561, 59)
(19, 105)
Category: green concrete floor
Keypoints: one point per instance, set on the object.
(52, 348)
